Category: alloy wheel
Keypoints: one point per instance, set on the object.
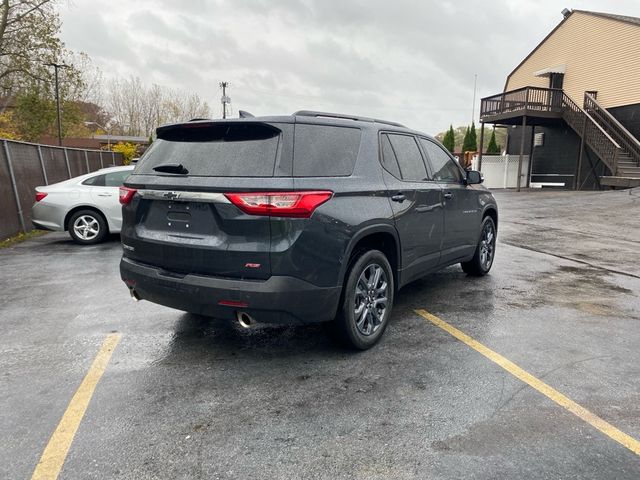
(86, 227)
(371, 299)
(487, 245)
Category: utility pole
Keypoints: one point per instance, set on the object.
(473, 106)
(225, 100)
(56, 67)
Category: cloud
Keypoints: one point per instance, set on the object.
(408, 61)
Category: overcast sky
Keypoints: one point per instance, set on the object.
(408, 61)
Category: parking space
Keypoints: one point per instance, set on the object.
(189, 397)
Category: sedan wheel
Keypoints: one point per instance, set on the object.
(87, 227)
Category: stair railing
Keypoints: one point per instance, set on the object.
(611, 124)
(593, 135)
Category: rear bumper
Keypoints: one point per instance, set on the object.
(280, 299)
(47, 217)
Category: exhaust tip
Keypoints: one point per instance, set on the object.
(134, 295)
(244, 319)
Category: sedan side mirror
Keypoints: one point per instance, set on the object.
(474, 177)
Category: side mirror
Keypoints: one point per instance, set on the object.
(474, 177)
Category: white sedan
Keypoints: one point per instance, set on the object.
(87, 206)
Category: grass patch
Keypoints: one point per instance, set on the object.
(21, 237)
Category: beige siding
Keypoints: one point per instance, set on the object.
(599, 53)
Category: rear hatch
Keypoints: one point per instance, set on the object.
(181, 217)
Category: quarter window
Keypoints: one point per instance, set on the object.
(95, 181)
(409, 158)
(443, 167)
(389, 161)
(325, 151)
(116, 179)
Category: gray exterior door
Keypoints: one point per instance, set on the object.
(461, 212)
(416, 202)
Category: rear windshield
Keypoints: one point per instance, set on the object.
(215, 150)
(324, 151)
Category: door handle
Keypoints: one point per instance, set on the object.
(448, 195)
(399, 197)
(105, 195)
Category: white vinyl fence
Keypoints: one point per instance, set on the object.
(501, 171)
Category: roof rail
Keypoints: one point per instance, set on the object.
(311, 113)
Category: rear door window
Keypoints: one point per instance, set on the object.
(215, 149)
(442, 165)
(325, 151)
(412, 167)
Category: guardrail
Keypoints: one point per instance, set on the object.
(525, 98)
(24, 166)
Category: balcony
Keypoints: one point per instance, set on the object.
(540, 105)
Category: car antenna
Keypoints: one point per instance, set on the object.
(245, 114)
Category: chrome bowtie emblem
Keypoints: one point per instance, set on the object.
(171, 195)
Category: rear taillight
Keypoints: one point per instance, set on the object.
(126, 194)
(40, 196)
(279, 204)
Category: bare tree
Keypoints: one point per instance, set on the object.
(137, 109)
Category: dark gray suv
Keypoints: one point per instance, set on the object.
(305, 218)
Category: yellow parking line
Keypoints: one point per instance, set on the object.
(565, 402)
(56, 451)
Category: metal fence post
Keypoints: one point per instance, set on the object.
(44, 170)
(66, 158)
(86, 160)
(101, 163)
(113, 157)
(13, 184)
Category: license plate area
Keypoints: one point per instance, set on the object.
(170, 217)
(192, 217)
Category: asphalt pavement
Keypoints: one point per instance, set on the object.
(184, 396)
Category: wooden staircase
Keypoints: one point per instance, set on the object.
(616, 147)
(613, 144)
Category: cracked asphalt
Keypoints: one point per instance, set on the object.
(189, 397)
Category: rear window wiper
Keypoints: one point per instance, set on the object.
(171, 168)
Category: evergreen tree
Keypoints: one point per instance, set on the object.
(473, 138)
(449, 140)
(493, 148)
(466, 142)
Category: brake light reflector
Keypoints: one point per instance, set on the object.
(232, 303)
(40, 196)
(126, 194)
(279, 204)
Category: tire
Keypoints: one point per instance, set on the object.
(485, 252)
(363, 316)
(87, 227)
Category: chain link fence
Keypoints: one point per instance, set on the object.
(25, 166)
